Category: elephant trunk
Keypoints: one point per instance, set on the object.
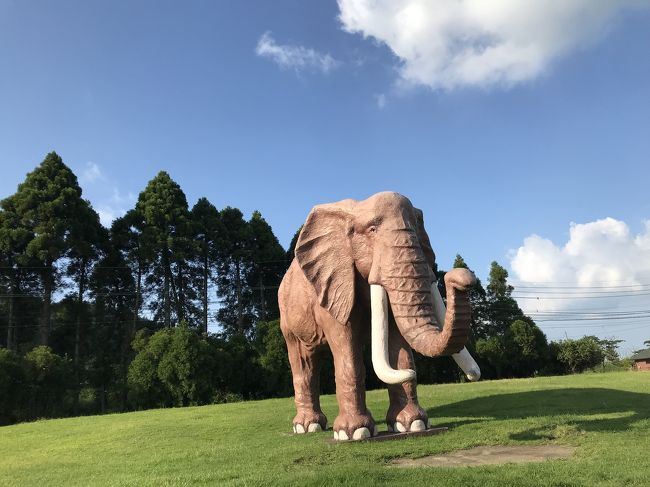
(406, 277)
(416, 319)
(457, 316)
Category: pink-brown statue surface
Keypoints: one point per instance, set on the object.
(362, 269)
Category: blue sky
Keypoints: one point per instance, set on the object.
(281, 105)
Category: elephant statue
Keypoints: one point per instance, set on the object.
(365, 269)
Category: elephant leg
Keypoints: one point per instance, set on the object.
(404, 412)
(354, 420)
(305, 368)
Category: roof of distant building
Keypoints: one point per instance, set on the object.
(642, 355)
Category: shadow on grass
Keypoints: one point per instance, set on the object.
(625, 407)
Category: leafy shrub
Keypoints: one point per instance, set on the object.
(580, 355)
(51, 380)
(273, 358)
(145, 387)
(222, 397)
(88, 400)
(176, 367)
(12, 386)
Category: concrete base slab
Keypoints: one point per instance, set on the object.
(389, 435)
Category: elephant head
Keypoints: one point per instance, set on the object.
(382, 240)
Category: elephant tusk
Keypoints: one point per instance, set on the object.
(467, 364)
(379, 340)
(463, 358)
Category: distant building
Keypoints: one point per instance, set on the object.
(642, 359)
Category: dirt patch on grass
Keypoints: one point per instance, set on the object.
(490, 455)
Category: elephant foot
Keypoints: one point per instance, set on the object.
(309, 422)
(410, 418)
(354, 427)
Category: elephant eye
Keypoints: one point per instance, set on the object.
(371, 226)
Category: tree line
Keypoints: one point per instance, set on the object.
(96, 319)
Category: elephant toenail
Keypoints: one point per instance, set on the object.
(361, 433)
(418, 425)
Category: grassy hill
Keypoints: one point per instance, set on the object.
(606, 416)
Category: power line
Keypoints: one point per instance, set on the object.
(56, 267)
(577, 292)
(87, 323)
(634, 292)
(582, 287)
(583, 296)
(602, 314)
(591, 311)
(515, 281)
(43, 296)
(610, 318)
(632, 326)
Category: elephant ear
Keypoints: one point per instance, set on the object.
(424, 238)
(324, 254)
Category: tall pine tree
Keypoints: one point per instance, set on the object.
(236, 312)
(207, 236)
(267, 266)
(87, 240)
(18, 279)
(127, 240)
(166, 235)
(113, 288)
(48, 203)
(502, 310)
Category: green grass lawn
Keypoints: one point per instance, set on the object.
(606, 416)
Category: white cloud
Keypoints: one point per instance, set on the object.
(597, 252)
(107, 214)
(107, 199)
(602, 269)
(115, 206)
(451, 43)
(298, 58)
(91, 173)
(381, 100)
(120, 199)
